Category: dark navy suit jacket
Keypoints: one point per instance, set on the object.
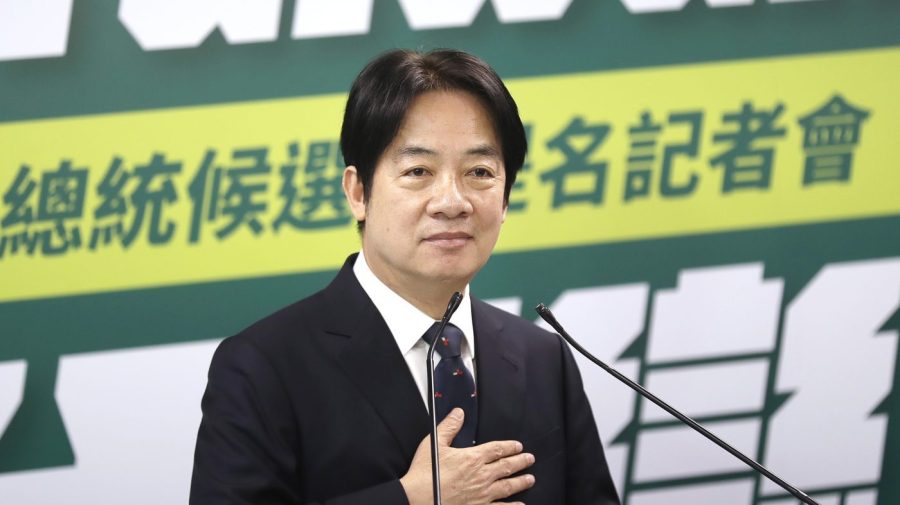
(315, 404)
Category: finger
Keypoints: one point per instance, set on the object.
(510, 465)
(507, 487)
(450, 426)
(493, 451)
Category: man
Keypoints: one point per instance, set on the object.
(324, 401)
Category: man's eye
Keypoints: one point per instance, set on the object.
(416, 172)
(481, 172)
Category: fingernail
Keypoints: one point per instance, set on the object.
(519, 447)
(530, 458)
(456, 413)
(529, 479)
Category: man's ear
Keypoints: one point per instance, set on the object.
(505, 208)
(353, 190)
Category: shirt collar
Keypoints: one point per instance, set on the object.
(406, 322)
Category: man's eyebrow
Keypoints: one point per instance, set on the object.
(484, 150)
(414, 151)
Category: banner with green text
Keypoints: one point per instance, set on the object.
(710, 202)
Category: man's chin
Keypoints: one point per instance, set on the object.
(453, 272)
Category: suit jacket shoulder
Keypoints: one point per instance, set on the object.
(294, 411)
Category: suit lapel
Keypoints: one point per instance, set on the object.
(358, 339)
(366, 351)
(500, 366)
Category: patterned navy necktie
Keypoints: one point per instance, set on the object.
(454, 385)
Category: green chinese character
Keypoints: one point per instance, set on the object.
(639, 173)
(519, 186)
(830, 135)
(322, 203)
(109, 215)
(642, 156)
(232, 194)
(746, 164)
(61, 200)
(155, 190)
(244, 183)
(578, 163)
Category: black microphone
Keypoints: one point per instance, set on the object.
(452, 305)
(545, 313)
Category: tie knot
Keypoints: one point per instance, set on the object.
(451, 340)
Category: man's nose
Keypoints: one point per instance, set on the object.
(450, 197)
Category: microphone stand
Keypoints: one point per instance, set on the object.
(452, 305)
(545, 313)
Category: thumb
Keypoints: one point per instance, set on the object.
(450, 426)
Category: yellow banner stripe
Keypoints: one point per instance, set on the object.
(614, 128)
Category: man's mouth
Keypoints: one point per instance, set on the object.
(449, 239)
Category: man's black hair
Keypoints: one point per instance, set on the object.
(384, 91)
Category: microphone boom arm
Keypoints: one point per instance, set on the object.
(452, 305)
(547, 315)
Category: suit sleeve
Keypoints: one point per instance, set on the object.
(248, 445)
(588, 481)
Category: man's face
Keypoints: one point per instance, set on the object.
(436, 202)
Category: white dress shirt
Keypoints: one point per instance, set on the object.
(408, 324)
